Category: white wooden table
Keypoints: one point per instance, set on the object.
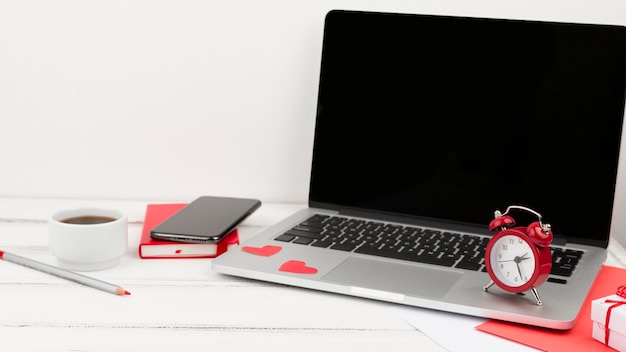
(180, 304)
(175, 304)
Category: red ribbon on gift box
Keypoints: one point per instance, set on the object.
(621, 291)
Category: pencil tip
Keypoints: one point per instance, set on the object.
(121, 292)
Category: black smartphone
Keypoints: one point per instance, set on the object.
(207, 219)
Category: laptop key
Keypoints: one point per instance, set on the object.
(285, 238)
(298, 233)
(426, 259)
(564, 261)
(377, 252)
(343, 247)
(469, 265)
(557, 280)
(318, 218)
(562, 270)
(308, 228)
(322, 243)
(303, 240)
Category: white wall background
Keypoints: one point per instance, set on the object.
(171, 99)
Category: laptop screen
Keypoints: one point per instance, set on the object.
(451, 118)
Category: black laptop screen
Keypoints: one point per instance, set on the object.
(451, 118)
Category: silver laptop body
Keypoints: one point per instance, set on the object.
(435, 122)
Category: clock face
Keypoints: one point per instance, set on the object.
(512, 261)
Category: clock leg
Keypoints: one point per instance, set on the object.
(536, 295)
(486, 287)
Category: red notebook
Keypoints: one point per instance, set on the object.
(150, 248)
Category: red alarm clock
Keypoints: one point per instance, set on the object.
(518, 258)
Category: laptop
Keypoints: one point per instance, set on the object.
(427, 125)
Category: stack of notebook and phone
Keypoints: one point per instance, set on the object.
(428, 124)
(204, 228)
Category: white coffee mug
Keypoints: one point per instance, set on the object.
(87, 239)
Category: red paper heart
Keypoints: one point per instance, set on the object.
(266, 251)
(298, 267)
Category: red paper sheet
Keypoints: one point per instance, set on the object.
(576, 339)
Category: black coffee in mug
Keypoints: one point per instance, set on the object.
(88, 220)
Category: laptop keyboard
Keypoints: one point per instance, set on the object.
(410, 243)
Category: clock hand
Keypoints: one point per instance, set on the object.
(517, 259)
(521, 277)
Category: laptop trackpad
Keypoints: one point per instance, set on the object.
(406, 279)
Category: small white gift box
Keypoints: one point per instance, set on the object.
(611, 309)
